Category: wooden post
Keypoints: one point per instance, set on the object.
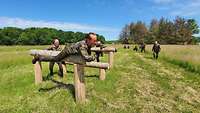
(64, 69)
(79, 83)
(38, 72)
(102, 74)
(110, 58)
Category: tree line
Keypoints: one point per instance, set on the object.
(178, 31)
(39, 36)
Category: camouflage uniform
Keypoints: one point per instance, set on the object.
(51, 64)
(98, 53)
(78, 50)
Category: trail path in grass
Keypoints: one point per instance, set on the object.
(158, 86)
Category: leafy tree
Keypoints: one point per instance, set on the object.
(39, 36)
(179, 31)
(125, 34)
(193, 26)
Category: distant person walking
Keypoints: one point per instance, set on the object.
(55, 47)
(126, 43)
(156, 49)
(135, 48)
(142, 47)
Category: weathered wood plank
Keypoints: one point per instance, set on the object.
(106, 49)
(79, 83)
(110, 58)
(94, 65)
(71, 59)
(38, 72)
(44, 52)
(64, 69)
(102, 74)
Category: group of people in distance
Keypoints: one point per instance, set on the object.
(155, 49)
(81, 48)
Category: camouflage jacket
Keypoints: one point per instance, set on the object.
(53, 48)
(80, 48)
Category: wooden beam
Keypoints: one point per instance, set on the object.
(77, 59)
(64, 69)
(55, 53)
(102, 74)
(106, 49)
(38, 72)
(44, 52)
(79, 83)
(97, 65)
(110, 58)
(94, 65)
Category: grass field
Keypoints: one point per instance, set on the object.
(136, 84)
(186, 56)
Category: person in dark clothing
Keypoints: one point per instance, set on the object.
(55, 47)
(142, 47)
(156, 49)
(77, 49)
(135, 48)
(125, 41)
(99, 53)
(128, 46)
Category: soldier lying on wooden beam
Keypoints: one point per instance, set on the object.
(78, 49)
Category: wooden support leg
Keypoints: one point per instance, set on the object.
(110, 58)
(38, 72)
(102, 74)
(79, 83)
(64, 69)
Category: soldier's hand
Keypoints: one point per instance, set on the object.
(115, 50)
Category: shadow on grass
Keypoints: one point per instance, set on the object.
(70, 72)
(150, 57)
(49, 76)
(59, 85)
(90, 76)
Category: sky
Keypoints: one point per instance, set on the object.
(105, 17)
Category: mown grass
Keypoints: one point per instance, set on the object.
(136, 83)
(185, 56)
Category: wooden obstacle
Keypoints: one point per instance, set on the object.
(79, 82)
(101, 66)
(108, 50)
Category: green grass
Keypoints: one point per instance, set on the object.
(136, 83)
(185, 56)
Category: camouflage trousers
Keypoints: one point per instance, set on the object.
(155, 55)
(51, 65)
